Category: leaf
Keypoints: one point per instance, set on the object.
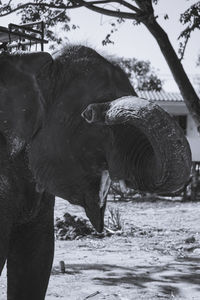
(166, 17)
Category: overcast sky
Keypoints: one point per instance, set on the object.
(134, 41)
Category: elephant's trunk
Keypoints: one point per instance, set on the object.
(147, 148)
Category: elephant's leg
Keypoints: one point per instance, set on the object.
(5, 229)
(30, 258)
(4, 242)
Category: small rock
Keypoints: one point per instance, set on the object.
(190, 240)
(62, 266)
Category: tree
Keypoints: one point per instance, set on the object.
(140, 11)
(191, 18)
(142, 75)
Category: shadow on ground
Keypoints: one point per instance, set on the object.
(167, 278)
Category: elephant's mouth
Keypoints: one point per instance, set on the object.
(158, 162)
(132, 159)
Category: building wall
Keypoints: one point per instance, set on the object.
(179, 108)
(194, 139)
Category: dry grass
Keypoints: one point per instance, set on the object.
(114, 221)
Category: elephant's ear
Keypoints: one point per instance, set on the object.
(21, 101)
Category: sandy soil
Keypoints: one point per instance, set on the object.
(157, 257)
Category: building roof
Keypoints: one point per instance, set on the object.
(160, 96)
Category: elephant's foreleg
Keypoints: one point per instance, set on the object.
(5, 229)
(30, 258)
(4, 242)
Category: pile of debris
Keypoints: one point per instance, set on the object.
(72, 227)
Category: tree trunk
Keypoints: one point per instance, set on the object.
(189, 95)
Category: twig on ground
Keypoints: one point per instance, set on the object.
(112, 231)
(92, 295)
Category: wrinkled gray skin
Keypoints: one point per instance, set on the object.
(62, 123)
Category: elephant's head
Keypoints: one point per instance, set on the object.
(82, 124)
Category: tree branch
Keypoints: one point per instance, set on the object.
(182, 50)
(186, 33)
(145, 6)
(90, 5)
(39, 5)
(108, 12)
(56, 16)
(130, 6)
(122, 2)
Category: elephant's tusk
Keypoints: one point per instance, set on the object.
(104, 187)
(122, 185)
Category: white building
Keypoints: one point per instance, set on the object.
(173, 103)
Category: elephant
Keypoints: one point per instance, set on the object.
(68, 126)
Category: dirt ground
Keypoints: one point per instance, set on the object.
(157, 257)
